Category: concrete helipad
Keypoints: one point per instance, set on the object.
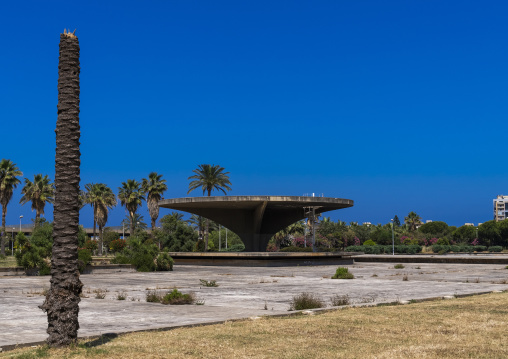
(243, 292)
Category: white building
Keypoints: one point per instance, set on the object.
(500, 208)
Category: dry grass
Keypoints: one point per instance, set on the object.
(472, 327)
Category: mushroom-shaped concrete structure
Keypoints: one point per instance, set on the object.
(255, 218)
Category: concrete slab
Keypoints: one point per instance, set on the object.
(243, 292)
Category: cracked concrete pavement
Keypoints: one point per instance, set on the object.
(242, 293)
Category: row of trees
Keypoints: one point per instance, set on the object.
(339, 234)
(101, 197)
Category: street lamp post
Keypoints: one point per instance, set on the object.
(12, 244)
(123, 230)
(20, 222)
(393, 240)
(477, 233)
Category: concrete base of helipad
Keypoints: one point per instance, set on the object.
(243, 292)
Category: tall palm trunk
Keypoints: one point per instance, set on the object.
(132, 222)
(94, 221)
(207, 226)
(100, 240)
(153, 209)
(2, 246)
(62, 300)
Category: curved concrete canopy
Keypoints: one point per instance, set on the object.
(255, 218)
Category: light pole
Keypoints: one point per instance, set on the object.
(393, 239)
(12, 244)
(123, 230)
(477, 233)
(20, 222)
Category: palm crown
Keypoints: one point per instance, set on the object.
(154, 186)
(39, 192)
(412, 220)
(209, 178)
(131, 195)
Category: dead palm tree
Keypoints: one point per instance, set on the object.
(39, 192)
(154, 186)
(62, 300)
(8, 182)
(131, 196)
(209, 178)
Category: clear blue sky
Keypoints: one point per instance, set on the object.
(399, 105)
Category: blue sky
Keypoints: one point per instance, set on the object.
(398, 105)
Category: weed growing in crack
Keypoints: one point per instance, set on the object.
(100, 293)
(338, 300)
(305, 301)
(206, 283)
(343, 273)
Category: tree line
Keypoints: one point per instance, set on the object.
(131, 195)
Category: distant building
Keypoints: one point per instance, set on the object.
(500, 208)
(469, 224)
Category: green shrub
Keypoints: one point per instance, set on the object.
(399, 266)
(2, 257)
(240, 247)
(141, 254)
(495, 249)
(84, 258)
(343, 273)
(353, 249)
(164, 262)
(45, 267)
(199, 246)
(480, 248)
(153, 297)
(369, 242)
(441, 249)
(306, 301)
(91, 245)
(296, 249)
(117, 245)
(173, 298)
(177, 298)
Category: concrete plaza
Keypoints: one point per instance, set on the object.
(243, 292)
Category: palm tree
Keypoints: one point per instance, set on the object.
(154, 187)
(137, 222)
(209, 178)
(8, 182)
(89, 196)
(62, 300)
(131, 195)
(40, 191)
(105, 199)
(198, 223)
(412, 220)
